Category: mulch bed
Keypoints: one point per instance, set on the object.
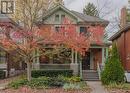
(29, 90)
(119, 91)
(8, 79)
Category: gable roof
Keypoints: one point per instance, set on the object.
(88, 18)
(118, 34)
(54, 9)
(83, 17)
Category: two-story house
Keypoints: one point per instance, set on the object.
(94, 57)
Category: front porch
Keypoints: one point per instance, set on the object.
(93, 58)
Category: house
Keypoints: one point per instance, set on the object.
(8, 61)
(122, 40)
(94, 57)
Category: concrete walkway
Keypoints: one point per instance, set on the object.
(96, 87)
(3, 86)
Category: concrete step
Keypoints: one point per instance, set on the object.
(90, 75)
(91, 79)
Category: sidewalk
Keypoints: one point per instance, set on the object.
(3, 86)
(96, 87)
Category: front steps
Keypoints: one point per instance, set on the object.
(90, 75)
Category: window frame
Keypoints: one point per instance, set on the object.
(6, 7)
(57, 18)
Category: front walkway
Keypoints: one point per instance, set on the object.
(96, 87)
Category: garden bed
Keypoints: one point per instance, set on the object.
(59, 84)
(53, 90)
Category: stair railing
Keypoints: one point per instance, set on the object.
(99, 69)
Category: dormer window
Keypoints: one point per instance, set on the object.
(57, 18)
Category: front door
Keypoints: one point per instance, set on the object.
(86, 61)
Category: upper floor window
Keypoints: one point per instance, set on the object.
(58, 28)
(83, 30)
(57, 18)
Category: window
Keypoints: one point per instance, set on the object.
(57, 18)
(58, 28)
(7, 7)
(2, 57)
(62, 18)
(83, 30)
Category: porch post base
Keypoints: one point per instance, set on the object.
(75, 68)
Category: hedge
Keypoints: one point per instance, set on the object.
(2, 74)
(52, 73)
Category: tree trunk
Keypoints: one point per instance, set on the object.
(29, 71)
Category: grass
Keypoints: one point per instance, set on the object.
(123, 86)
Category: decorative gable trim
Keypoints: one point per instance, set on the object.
(51, 11)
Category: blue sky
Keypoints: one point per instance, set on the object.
(110, 10)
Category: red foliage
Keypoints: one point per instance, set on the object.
(67, 35)
(97, 33)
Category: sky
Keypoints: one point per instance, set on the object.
(109, 10)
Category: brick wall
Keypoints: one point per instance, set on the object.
(127, 49)
(123, 45)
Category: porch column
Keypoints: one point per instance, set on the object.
(36, 62)
(76, 57)
(103, 58)
(74, 65)
(72, 56)
(107, 53)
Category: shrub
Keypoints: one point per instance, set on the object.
(18, 83)
(2, 74)
(56, 82)
(72, 79)
(51, 73)
(41, 82)
(45, 82)
(75, 86)
(113, 71)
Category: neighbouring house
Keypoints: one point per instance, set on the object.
(122, 39)
(94, 57)
(8, 61)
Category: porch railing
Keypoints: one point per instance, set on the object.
(54, 66)
(99, 69)
(3, 66)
